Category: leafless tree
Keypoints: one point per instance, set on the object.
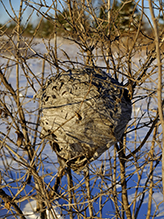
(126, 180)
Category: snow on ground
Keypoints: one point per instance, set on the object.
(29, 211)
(36, 66)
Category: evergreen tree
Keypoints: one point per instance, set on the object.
(29, 29)
(129, 15)
(46, 28)
(103, 13)
(124, 15)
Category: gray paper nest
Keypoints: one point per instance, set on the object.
(84, 112)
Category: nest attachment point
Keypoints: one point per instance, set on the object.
(84, 112)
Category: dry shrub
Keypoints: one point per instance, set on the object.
(126, 180)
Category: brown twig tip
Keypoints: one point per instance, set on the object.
(1, 112)
(20, 138)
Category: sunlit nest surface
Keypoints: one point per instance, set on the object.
(84, 112)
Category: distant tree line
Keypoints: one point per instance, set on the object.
(125, 15)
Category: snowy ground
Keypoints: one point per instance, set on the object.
(35, 64)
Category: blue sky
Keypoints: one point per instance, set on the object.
(4, 17)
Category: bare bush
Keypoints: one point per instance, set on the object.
(126, 181)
